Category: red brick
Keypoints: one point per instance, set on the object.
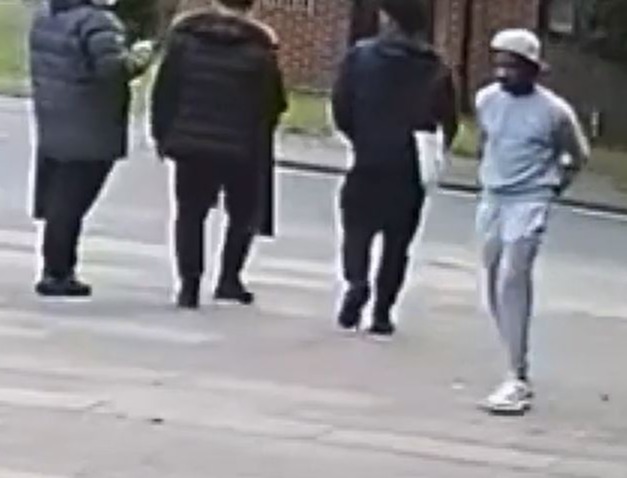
(313, 44)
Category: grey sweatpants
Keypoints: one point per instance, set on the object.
(511, 233)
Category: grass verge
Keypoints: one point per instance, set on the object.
(14, 18)
(308, 114)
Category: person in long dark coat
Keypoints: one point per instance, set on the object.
(216, 103)
(81, 67)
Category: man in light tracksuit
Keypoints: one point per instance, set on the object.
(527, 134)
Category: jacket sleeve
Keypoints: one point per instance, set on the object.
(446, 106)
(342, 97)
(103, 38)
(166, 91)
(571, 138)
(571, 141)
(279, 102)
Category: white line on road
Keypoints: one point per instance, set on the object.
(44, 399)
(300, 266)
(93, 244)
(85, 371)
(15, 332)
(129, 330)
(442, 449)
(279, 391)
(608, 216)
(6, 473)
(290, 282)
(109, 326)
(455, 193)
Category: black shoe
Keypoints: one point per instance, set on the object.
(382, 325)
(349, 318)
(382, 329)
(66, 287)
(189, 295)
(350, 315)
(234, 292)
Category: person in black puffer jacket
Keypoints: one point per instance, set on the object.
(81, 68)
(216, 103)
(389, 88)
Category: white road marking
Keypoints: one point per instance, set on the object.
(84, 371)
(110, 326)
(608, 216)
(134, 331)
(299, 266)
(93, 244)
(287, 392)
(455, 193)
(16, 332)
(6, 473)
(31, 398)
(442, 449)
(290, 282)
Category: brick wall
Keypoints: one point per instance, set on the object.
(449, 30)
(313, 38)
(314, 41)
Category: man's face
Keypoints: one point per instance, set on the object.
(515, 74)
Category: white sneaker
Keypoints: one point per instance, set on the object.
(512, 397)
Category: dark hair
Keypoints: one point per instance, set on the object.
(238, 4)
(410, 15)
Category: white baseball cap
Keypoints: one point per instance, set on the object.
(521, 42)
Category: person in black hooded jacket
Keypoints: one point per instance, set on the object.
(81, 67)
(216, 102)
(389, 88)
(364, 20)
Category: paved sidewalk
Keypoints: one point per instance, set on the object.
(332, 154)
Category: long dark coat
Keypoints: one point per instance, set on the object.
(219, 94)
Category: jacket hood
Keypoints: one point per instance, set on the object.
(225, 27)
(62, 5)
(394, 43)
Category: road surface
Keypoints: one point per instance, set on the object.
(126, 386)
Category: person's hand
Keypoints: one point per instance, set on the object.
(568, 178)
(161, 153)
(141, 55)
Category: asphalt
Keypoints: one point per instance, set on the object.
(126, 386)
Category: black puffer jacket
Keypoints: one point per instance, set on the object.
(219, 92)
(80, 75)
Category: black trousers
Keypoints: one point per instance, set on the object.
(198, 187)
(367, 211)
(65, 197)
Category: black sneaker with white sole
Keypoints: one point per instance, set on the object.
(62, 287)
(189, 295)
(349, 317)
(234, 292)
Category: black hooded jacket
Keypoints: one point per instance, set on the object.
(57, 6)
(390, 87)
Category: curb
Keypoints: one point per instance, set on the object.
(453, 186)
